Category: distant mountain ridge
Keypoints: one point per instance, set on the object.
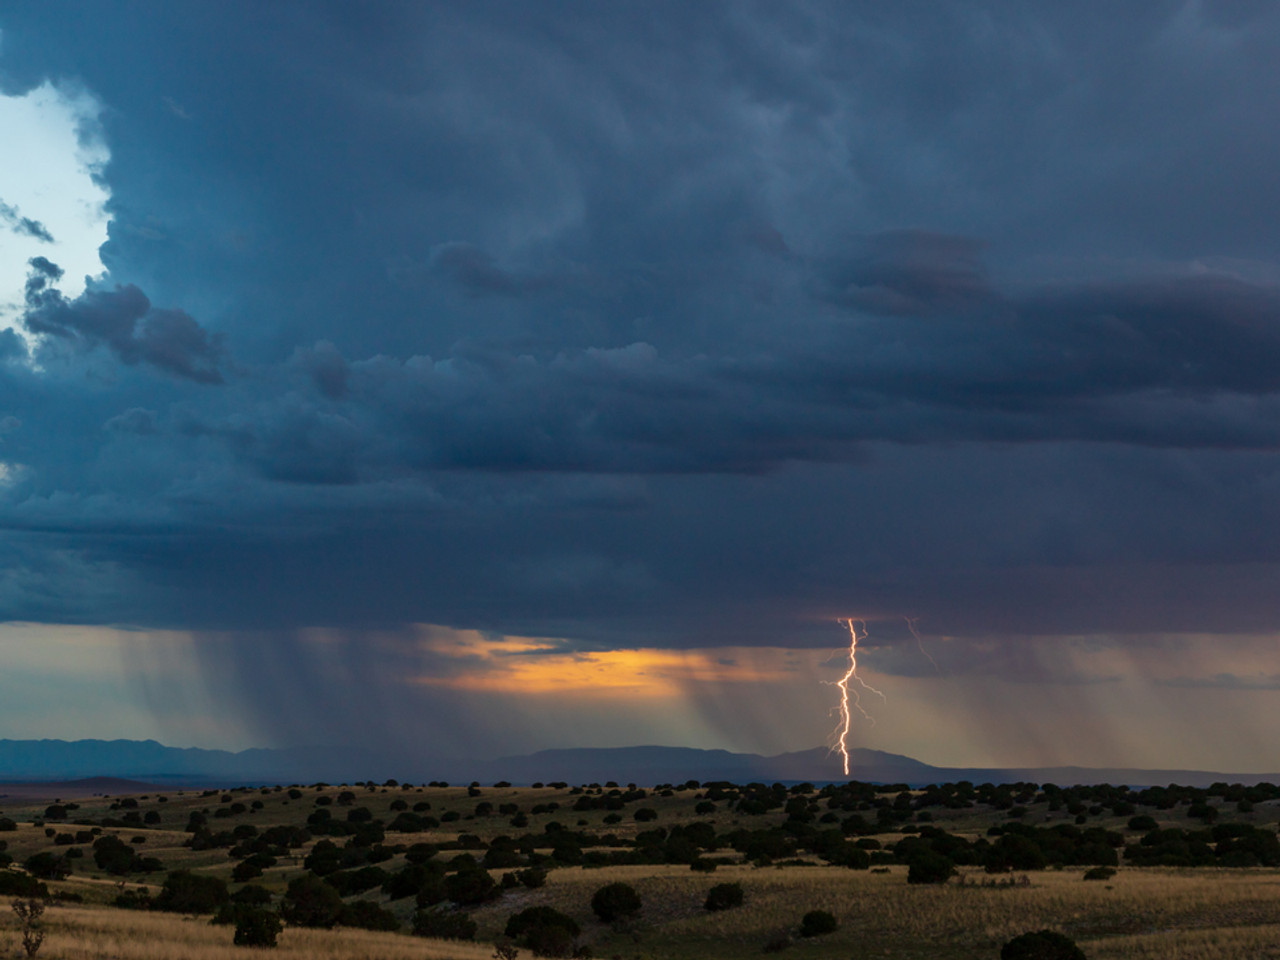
(73, 789)
(147, 760)
(677, 764)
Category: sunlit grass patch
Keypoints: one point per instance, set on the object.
(81, 933)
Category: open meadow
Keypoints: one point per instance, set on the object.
(1193, 875)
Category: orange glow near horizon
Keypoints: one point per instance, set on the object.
(530, 666)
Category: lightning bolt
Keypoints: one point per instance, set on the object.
(911, 625)
(846, 715)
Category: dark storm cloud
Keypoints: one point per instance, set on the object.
(475, 271)
(660, 324)
(134, 420)
(1181, 362)
(914, 273)
(125, 322)
(326, 367)
(24, 225)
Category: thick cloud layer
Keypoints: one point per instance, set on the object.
(122, 319)
(655, 326)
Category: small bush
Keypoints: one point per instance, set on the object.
(252, 894)
(47, 866)
(532, 877)
(29, 913)
(421, 852)
(551, 942)
(471, 886)
(723, 896)
(533, 917)
(929, 867)
(257, 928)
(443, 924)
(186, 892)
(367, 915)
(310, 902)
(816, 923)
(252, 867)
(135, 900)
(1100, 873)
(545, 931)
(113, 855)
(1041, 945)
(615, 901)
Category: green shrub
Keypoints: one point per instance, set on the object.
(367, 915)
(251, 867)
(443, 924)
(615, 901)
(347, 882)
(113, 855)
(545, 931)
(47, 866)
(520, 923)
(137, 900)
(551, 942)
(470, 886)
(421, 852)
(724, 896)
(1041, 945)
(186, 892)
(1202, 811)
(252, 894)
(310, 902)
(432, 890)
(929, 867)
(1100, 873)
(257, 928)
(816, 923)
(532, 877)
(15, 884)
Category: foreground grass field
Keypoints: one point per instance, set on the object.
(1146, 913)
(1140, 912)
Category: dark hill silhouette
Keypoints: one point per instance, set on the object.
(74, 789)
(158, 765)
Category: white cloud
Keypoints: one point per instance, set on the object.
(51, 160)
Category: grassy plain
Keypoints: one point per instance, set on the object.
(1140, 913)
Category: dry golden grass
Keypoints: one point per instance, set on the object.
(1141, 914)
(1138, 915)
(86, 933)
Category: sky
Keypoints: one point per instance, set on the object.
(477, 379)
